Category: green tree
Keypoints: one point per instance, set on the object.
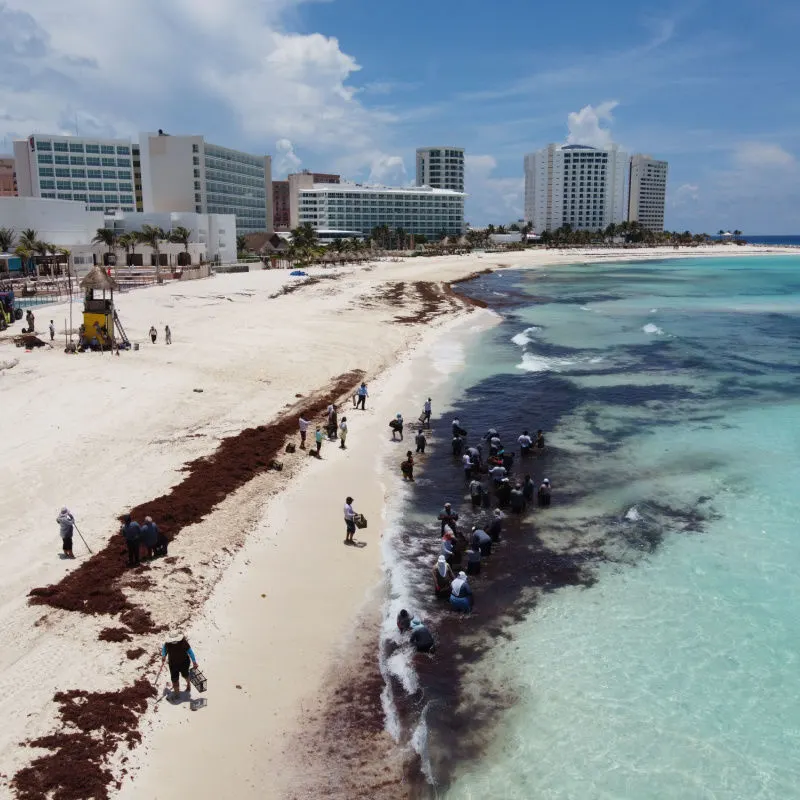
(241, 243)
(109, 238)
(7, 238)
(152, 236)
(181, 235)
(128, 241)
(305, 235)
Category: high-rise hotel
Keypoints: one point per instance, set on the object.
(576, 185)
(647, 190)
(441, 168)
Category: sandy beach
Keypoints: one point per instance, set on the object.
(277, 609)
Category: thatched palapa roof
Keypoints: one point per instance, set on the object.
(96, 278)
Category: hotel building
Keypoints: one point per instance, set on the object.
(186, 173)
(8, 177)
(102, 173)
(357, 207)
(281, 216)
(441, 168)
(647, 191)
(576, 185)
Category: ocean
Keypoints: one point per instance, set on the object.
(640, 637)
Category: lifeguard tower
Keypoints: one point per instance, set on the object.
(101, 322)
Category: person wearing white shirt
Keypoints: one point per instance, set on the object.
(466, 461)
(525, 443)
(349, 520)
(303, 424)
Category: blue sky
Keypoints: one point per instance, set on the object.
(356, 86)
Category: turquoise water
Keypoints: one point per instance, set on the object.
(674, 390)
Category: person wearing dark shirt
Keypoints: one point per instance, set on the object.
(442, 578)
(403, 621)
(517, 500)
(458, 445)
(496, 525)
(503, 493)
(473, 561)
(448, 517)
(420, 441)
(407, 467)
(150, 537)
(481, 541)
(528, 489)
(476, 492)
(461, 593)
(539, 439)
(178, 652)
(421, 637)
(132, 533)
(544, 493)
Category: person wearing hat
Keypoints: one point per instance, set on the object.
(426, 413)
(132, 533)
(461, 593)
(442, 578)
(448, 517)
(544, 494)
(349, 520)
(498, 472)
(397, 426)
(421, 637)
(496, 525)
(178, 652)
(66, 523)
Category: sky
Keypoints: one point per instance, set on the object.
(355, 86)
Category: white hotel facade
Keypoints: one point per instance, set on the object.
(647, 192)
(356, 207)
(582, 186)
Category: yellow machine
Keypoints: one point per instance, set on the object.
(101, 322)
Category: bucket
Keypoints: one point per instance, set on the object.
(198, 680)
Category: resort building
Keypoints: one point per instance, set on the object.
(647, 192)
(441, 168)
(8, 177)
(357, 207)
(281, 216)
(576, 185)
(188, 174)
(101, 173)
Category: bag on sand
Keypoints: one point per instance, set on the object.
(360, 521)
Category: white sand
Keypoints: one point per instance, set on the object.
(100, 434)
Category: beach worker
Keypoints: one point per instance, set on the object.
(420, 441)
(490, 433)
(473, 561)
(167, 334)
(150, 537)
(397, 426)
(162, 543)
(132, 533)
(496, 525)
(448, 518)
(343, 433)
(539, 439)
(476, 492)
(461, 593)
(517, 499)
(178, 652)
(30, 320)
(495, 445)
(426, 413)
(475, 456)
(466, 463)
(403, 621)
(544, 493)
(457, 429)
(503, 493)
(349, 520)
(458, 445)
(498, 473)
(442, 578)
(318, 440)
(421, 637)
(363, 394)
(448, 546)
(481, 541)
(66, 523)
(52, 330)
(525, 444)
(303, 425)
(333, 422)
(528, 489)
(407, 467)
(153, 334)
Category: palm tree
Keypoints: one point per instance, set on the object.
(152, 236)
(109, 238)
(42, 249)
(128, 241)
(7, 237)
(25, 254)
(305, 235)
(27, 241)
(181, 235)
(402, 237)
(241, 243)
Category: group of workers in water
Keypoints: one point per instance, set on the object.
(497, 466)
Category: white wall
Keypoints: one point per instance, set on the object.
(60, 222)
(22, 165)
(168, 171)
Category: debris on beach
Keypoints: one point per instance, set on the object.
(29, 341)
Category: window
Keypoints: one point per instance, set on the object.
(94, 173)
(123, 162)
(93, 148)
(123, 151)
(197, 197)
(46, 172)
(76, 147)
(47, 185)
(195, 148)
(62, 159)
(92, 161)
(78, 173)
(44, 158)
(196, 160)
(197, 173)
(126, 187)
(64, 196)
(44, 145)
(198, 209)
(49, 195)
(197, 186)
(109, 187)
(107, 148)
(60, 147)
(79, 185)
(79, 160)
(126, 198)
(109, 175)
(80, 197)
(96, 186)
(109, 162)
(62, 173)
(124, 175)
(95, 198)
(67, 185)
(111, 198)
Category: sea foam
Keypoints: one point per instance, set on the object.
(654, 329)
(524, 338)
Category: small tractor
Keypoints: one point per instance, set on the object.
(9, 313)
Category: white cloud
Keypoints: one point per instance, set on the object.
(389, 170)
(762, 155)
(285, 159)
(490, 199)
(229, 70)
(585, 125)
(686, 193)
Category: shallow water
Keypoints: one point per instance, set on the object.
(670, 397)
